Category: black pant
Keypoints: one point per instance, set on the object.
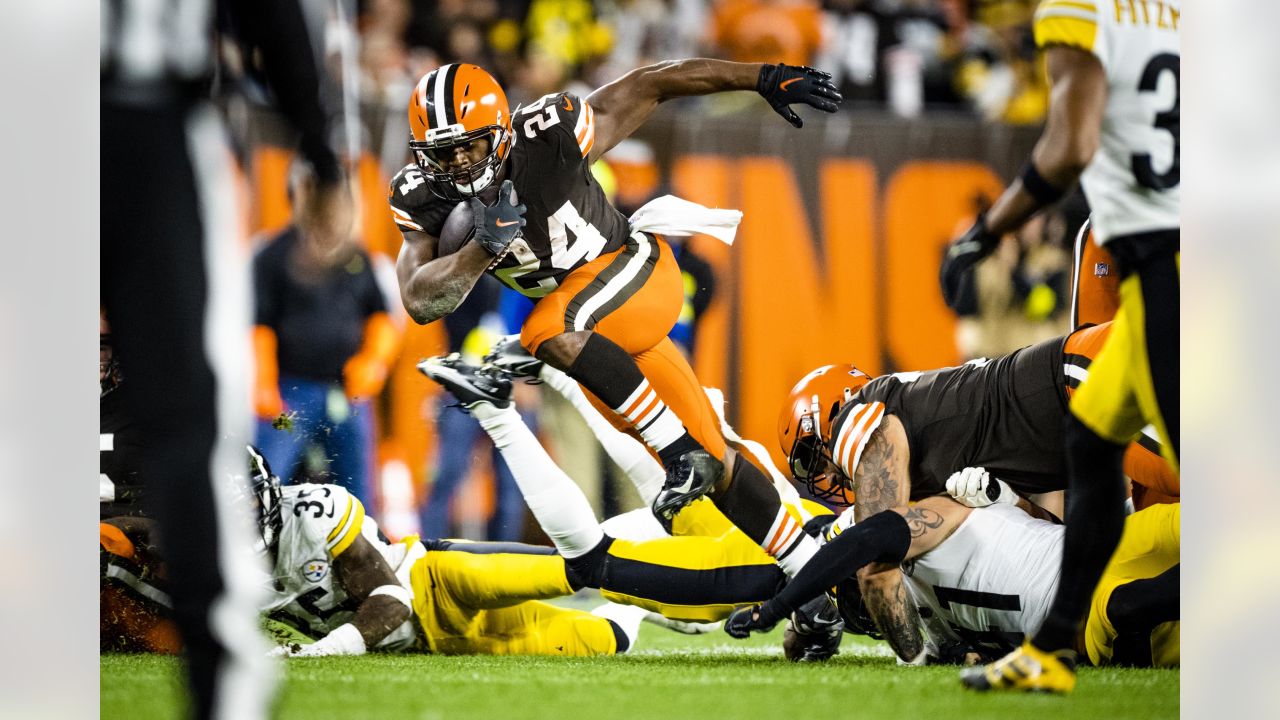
(154, 290)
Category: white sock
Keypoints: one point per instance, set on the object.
(803, 552)
(644, 472)
(556, 501)
(639, 524)
(627, 617)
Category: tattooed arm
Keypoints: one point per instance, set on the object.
(881, 481)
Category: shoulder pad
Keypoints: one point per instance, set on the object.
(413, 205)
(562, 118)
(328, 514)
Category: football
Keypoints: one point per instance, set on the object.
(458, 229)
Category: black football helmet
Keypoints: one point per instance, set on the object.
(265, 496)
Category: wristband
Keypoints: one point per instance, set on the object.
(1037, 187)
(398, 592)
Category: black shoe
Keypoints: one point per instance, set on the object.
(690, 477)
(471, 385)
(510, 356)
(814, 631)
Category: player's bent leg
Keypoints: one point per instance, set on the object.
(464, 581)
(753, 504)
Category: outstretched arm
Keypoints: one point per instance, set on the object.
(624, 104)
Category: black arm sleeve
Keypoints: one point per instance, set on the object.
(278, 30)
(883, 537)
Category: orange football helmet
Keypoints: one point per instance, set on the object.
(456, 105)
(804, 427)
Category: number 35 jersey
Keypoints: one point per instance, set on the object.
(320, 524)
(1132, 183)
(569, 221)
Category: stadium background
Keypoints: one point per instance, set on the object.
(845, 220)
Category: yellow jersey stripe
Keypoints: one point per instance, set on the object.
(346, 515)
(1077, 4)
(355, 522)
(1064, 30)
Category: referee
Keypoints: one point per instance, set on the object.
(176, 296)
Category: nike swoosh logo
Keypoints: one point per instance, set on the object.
(687, 485)
(568, 104)
(783, 85)
(499, 223)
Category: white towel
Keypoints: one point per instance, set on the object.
(670, 215)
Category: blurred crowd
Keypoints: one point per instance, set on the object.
(909, 56)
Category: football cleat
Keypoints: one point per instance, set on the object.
(510, 356)
(1027, 669)
(471, 385)
(690, 477)
(814, 632)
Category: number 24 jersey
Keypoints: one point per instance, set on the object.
(569, 221)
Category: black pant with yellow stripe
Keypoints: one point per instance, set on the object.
(1132, 382)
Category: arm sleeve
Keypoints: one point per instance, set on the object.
(883, 537)
(1073, 23)
(852, 431)
(278, 30)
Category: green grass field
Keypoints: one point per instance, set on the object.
(667, 676)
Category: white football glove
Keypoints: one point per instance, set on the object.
(974, 487)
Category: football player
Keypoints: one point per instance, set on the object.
(898, 438)
(1113, 124)
(989, 575)
(696, 573)
(606, 294)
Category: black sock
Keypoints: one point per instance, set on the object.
(619, 637)
(588, 570)
(605, 369)
(750, 502)
(1094, 523)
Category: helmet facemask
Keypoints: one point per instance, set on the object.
(265, 497)
(433, 155)
(810, 459)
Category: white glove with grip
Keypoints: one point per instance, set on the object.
(974, 487)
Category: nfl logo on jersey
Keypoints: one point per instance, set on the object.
(315, 570)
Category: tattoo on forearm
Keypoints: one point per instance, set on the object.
(897, 618)
(875, 488)
(444, 301)
(922, 520)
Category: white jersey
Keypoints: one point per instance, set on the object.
(993, 579)
(320, 523)
(1132, 183)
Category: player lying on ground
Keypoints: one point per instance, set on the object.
(607, 290)
(699, 574)
(989, 574)
(897, 438)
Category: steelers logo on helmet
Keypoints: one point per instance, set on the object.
(461, 130)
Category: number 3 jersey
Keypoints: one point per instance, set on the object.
(569, 221)
(1132, 183)
(320, 524)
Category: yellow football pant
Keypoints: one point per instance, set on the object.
(1151, 544)
(478, 604)
(1119, 398)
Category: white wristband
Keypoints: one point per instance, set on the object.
(344, 640)
(398, 592)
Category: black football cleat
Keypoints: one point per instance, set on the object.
(510, 356)
(690, 477)
(471, 385)
(814, 632)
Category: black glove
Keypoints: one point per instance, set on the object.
(496, 227)
(783, 85)
(751, 618)
(962, 254)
